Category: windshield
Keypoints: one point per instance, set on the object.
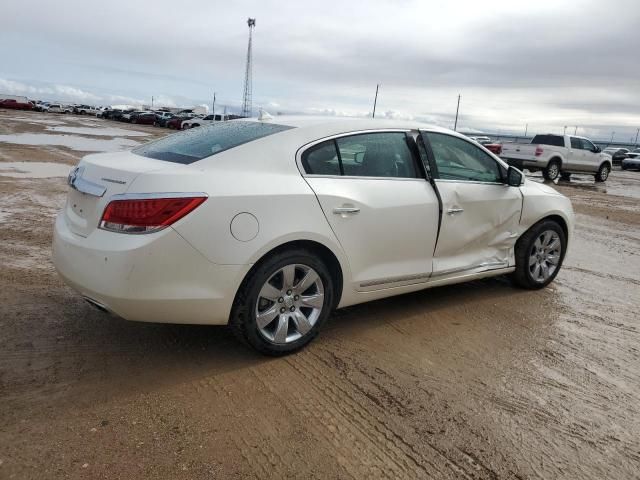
(198, 143)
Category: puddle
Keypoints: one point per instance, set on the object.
(73, 142)
(37, 121)
(99, 131)
(34, 169)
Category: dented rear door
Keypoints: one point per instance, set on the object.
(480, 214)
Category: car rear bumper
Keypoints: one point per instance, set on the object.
(149, 278)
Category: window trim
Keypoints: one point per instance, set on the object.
(335, 137)
(435, 173)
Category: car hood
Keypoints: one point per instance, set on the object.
(540, 187)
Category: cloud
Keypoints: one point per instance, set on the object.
(543, 63)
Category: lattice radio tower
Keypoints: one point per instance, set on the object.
(246, 99)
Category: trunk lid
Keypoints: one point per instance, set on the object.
(96, 179)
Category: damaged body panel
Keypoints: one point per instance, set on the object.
(479, 229)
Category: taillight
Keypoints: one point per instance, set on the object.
(539, 151)
(146, 215)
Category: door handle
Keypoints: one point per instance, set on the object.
(453, 211)
(345, 210)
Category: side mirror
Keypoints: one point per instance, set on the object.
(597, 149)
(514, 177)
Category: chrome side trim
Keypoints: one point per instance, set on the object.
(449, 180)
(145, 196)
(404, 278)
(75, 181)
(487, 265)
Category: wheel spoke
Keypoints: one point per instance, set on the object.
(553, 259)
(532, 260)
(538, 243)
(308, 280)
(270, 292)
(265, 318)
(281, 330)
(555, 243)
(288, 275)
(546, 238)
(302, 322)
(313, 301)
(545, 270)
(536, 272)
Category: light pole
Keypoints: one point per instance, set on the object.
(612, 135)
(151, 102)
(575, 130)
(213, 105)
(455, 125)
(565, 130)
(375, 101)
(637, 132)
(526, 128)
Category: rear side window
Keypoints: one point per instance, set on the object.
(198, 143)
(554, 140)
(377, 155)
(322, 159)
(576, 143)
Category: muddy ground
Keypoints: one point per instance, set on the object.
(473, 381)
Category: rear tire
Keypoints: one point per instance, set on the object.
(281, 329)
(539, 255)
(552, 170)
(603, 173)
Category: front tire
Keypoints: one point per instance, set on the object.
(603, 173)
(283, 303)
(552, 170)
(539, 255)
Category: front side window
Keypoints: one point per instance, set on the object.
(198, 143)
(458, 159)
(587, 145)
(384, 154)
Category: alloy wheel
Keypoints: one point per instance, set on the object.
(289, 304)
(544, 256)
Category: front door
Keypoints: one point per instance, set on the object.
(480, 213)
(382, 210)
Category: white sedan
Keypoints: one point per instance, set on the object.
(270, 225)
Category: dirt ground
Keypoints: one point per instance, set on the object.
(472, 381)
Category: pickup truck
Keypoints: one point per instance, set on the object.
(559, 155)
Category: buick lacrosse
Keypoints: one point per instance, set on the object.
(270, 225)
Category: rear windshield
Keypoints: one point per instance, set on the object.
(201, 142)
(555, 140)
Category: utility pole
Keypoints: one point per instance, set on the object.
(612, 135)
(246, 99)
(575, 130)
(375, 100)
(213, 106)
(455, 125)
(151, 102)
(637, 132)
(565, 130)
(526, 128)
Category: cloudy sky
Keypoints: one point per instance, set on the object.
(543, 63)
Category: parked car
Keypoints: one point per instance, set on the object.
(41, 106)
(617, 154)
(58, 108)
(176, 121)
(161, 115)
(268, 226)
(86, 110)
(144, 118)
(486, 142)
(197, 121)
(16, 104)
(632, 162)
(559, 155)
